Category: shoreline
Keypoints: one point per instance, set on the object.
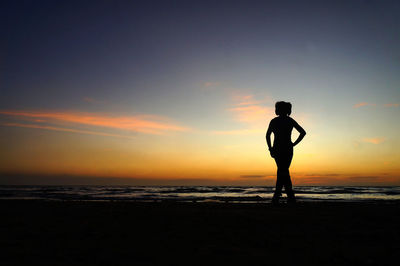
(223, 200)
(196, 193)
(171, 233)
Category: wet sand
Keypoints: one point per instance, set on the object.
(35, 232)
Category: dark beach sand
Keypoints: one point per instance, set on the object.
(129, 233)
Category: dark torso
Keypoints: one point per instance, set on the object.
(282, 127)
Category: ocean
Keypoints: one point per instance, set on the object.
(196, 193)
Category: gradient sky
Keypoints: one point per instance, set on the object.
(181, 92)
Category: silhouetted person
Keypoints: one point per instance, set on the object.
(282, 150)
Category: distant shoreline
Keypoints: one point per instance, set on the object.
(233, 194)
(265, 201)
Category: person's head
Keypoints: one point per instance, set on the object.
(283, 108)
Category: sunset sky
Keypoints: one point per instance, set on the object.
(181, 92)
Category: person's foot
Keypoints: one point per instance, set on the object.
(275, 201)
(291, 201)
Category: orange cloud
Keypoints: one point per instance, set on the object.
(391, 105)
(237, 132)
(249, 110)
(357, 105)
(63, 129)
(360, 104)
(374, 140)
(245, 100)
(141, 123)
(246, 109)
(210, 84)
(252, 113)
(91, 100)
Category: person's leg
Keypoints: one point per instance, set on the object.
(279, 183)
(278, 187)
(289, 190)
(287, 181)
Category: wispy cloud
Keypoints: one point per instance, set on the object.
(241, 100)
(249, 110)
(391, 105)
(63, 129)
(357, 105)
(373, 140)
(253, 176)
(211, 84)
(343, 179)
(149, 124)
(361, 104)
(252, 114)
(91, 100)
(237, 132)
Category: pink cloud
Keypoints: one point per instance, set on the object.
(237, 132)
(91, 100)
(249, 110)
(358, 105)
(373, 140)
(63, 129)
(252, 113)
(391, 105)
(210, 84)
(241, 100)
(141, 123)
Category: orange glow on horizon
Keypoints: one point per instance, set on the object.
(79, 144)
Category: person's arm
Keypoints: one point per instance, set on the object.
(268, 138)
(301, 131)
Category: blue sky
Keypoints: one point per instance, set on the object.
(193, 63)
